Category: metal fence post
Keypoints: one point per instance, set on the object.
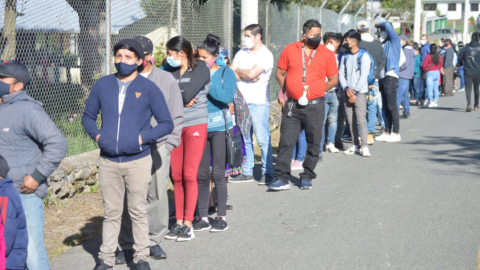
(179, 17)
(267, 22)
(108, 29)
(298, 20)
(358, 12)
(340, 16)
(321, 11)
(388, 15)
(230, 26)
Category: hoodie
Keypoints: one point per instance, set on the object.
(408, 68)
(469, 57)
(424, 51)
(391, 48)
(374, 48)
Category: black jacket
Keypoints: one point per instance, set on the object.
(469, 57)
(375, 49)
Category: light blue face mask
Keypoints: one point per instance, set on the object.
(220, 61)
(173, 63)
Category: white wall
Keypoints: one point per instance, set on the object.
(451, 15)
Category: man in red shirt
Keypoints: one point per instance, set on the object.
(310, 68)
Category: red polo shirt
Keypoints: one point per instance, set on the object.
(323, 65)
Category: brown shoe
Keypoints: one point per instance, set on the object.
(370, 139)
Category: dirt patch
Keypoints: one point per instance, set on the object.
(70, 222)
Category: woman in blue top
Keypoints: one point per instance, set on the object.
(222, 90)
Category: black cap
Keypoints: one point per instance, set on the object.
(3, 168)
(15, 69)
(137, 46)
(146, 44)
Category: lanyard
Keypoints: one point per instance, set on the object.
(309, 61)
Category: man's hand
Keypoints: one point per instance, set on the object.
(98, 137)
(371, 86)
(231, 108)
(350, 92)
(281, 102)
(29, 185)
(140, 140)
(191, 103)
(256, 79)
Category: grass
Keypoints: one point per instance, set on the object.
(78, 140)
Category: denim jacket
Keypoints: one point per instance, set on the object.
(392, 48)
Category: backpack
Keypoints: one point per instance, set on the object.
(3, 247)
(371, 79)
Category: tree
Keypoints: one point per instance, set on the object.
(335, 5)
(9, 38)
(401, 8)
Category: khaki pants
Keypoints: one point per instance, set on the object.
(448, 81)
(115, 180)
(357, 118)
(157, 197)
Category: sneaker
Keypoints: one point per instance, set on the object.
(278, 185)
(394, 138)
(186, 234)
(469, 108)
(306, 184)
(433, 104)
(124, 256)
(476, 108)
(425, 103)
(405, 115)
(297, 165)
(157, 253)
(320, 158)
(461, 90)
(219, 225)
(370, 139)
(352, 150)
(382, 137)
(242, 179)
(366, 152)
(101, 265)
(201, 225)
(347, 138)
(142, 265)
(229, 207)
(265, 180)
(331, 148)
(173, 233)
(293, 161)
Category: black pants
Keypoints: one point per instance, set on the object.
(309, 118)
(388, 88)
(340, 122)
(472, 80)
(216, 149)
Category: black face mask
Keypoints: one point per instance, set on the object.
(346, 46)
(4, 89)
(314, 42)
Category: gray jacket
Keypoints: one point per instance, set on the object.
(169, 86)
(29, 140)
(449, 57)
(408, 68)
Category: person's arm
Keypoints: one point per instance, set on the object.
(392, 35)
(176, 112)
(381, 60)
(199, 78)
(331, 70)
(341, 75)
(364, 71)
(426, 64)
(249, 74)
(90, 114)
(225, 93)
(39, 127)
(460, 57)
(234, 67)
(280, 76)
(159, 109)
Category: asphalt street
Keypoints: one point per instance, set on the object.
(412, 205)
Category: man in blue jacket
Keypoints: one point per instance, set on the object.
(406, 76)
(127, 103)
(424, 51)
(389, 82)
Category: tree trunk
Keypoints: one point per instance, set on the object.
(9, 31)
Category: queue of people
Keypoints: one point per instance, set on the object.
(174, 122)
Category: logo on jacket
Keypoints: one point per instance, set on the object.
(138, 94)
(6, 129)
(196, 134)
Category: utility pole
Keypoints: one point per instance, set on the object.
(249, 9)
(417, 22)
(465, 21)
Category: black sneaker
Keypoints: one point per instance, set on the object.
(186, 234)
(265, 180)
(242, 179)
(173, 233)
(219, 225)
(306, 184)
(124, 256)
(157, 253)
(101, 265)
(229, 207)
(201, 225)
(142, 265)
(320, 159)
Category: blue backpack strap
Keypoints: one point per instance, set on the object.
(361, 52)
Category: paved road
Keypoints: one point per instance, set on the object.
(412, 205)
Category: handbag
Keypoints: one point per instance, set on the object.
(424, 73)
(234, 142)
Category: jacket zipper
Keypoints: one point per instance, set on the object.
(119, 118)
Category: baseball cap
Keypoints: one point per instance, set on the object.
(146, 44)
(363, 26)
(404, 37)
(224, 51)
(3, 168)
(15, 69)
(137, 46)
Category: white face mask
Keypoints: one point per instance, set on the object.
(249, 43)
(423, 42)
(330, 47)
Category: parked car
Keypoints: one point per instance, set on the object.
(452, 34)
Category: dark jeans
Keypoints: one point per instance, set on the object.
(310, 118)
(216, 149)
(340, 121)
(388, 88)
(472, 81)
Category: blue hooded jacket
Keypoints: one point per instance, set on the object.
(392, 48)
(424, 51)
(15, 229)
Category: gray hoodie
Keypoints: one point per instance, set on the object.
(408, 68)
(169, 86)
(29, 140)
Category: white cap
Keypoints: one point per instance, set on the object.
(362, 25)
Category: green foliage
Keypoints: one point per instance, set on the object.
(438, 13)
(159, 54)
(78, 140)
(95, 188)
(335, 5)
(402, 8)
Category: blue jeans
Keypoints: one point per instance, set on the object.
(37, 257)
(402, 93)
(372, 105)
(260, 114)
(420, 92)
(417, 86)
(461, 73)
(433, 78)
(331, 113)
(300, 148)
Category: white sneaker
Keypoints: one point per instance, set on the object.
(393, 138)
(432, 104)
(352, 150)
(331, 148)
(366, 152)
(425, 103)
(435, 104)
(382, 137)
(461, 90)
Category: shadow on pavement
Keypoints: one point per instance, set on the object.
(92, 229)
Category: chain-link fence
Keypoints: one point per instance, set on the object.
(67, 44)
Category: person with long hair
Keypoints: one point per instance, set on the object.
(433, 65)
(193, 77)
(222, 90)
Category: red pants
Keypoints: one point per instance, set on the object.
(184, 163)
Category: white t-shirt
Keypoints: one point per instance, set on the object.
(255, 92)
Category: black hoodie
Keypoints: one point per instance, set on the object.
(469, 57)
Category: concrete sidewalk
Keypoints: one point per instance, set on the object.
(412, 205)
